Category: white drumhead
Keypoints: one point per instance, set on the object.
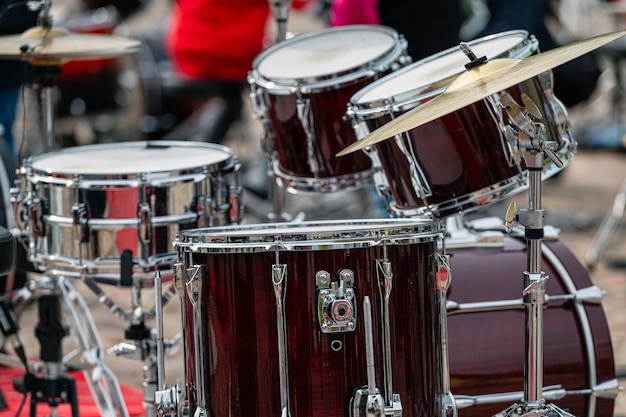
(325, 52)
(412, 80)
(131, 157)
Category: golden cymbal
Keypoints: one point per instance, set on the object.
(47, 46)
(480, 82)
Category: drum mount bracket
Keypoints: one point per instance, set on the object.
(336, 309)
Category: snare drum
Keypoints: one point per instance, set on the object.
(85, 208)
(275, 321)
(300, 89)
(463, 160)
(486, 322)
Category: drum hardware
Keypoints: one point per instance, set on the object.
(443, 275)
(590, 295)
(279, 283)
(530, 139)
(141, 343)
(607, 228)
(280, 11)
(609, 389)
(368, 402)
(336, 310)
(167, 401)
(55, 387)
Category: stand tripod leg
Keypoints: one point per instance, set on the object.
(609, 225)
(102, 382)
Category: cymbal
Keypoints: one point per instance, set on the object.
(480, 82)
(46, 46)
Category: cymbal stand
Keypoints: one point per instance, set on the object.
(528, 136)
(46, 71)
(45, 79)
(102, 382)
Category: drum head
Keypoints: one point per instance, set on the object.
(319, 55)
(429, 76)
(128, 159)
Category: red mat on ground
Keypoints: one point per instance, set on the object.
(86, 404)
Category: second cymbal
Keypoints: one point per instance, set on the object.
(55, 45)
(480, 82)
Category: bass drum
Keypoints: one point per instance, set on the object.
(486, 331)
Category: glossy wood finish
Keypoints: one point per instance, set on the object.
(236, 319)
(462, 155)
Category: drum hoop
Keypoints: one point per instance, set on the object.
(504, 189)
(287, 86)
(130, 179)
(309, 236)
(409, 99)
(296, 184)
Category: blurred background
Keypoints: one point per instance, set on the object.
(138, 97)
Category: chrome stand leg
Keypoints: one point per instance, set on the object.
(278, 195)
(102, 382)
(609, 225)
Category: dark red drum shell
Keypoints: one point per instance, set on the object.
(487, 348)
(236, 319)
(461, 154)
(332, 133)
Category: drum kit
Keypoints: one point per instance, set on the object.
(352, 317)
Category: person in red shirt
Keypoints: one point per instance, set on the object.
(211, 44)
(216, 40)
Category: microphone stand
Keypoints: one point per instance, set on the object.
(280, 11)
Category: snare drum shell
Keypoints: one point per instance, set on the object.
(94, 206)
(487, 348)
(236, 369)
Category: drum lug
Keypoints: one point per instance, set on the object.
(192, 284)
(35, 216)
(305, 116)
(202, 207)
(180, 277)
(235, 193)
(145, 222)
(259, 110)
(336, 309)
(18, 201)
(80, 216)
